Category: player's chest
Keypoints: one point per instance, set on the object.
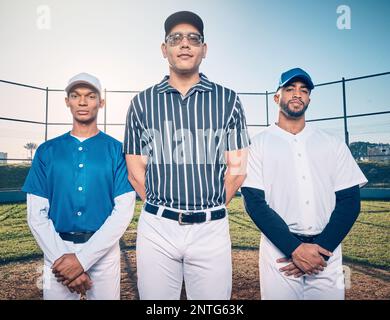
(72, 164)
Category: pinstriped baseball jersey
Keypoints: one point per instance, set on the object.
(185, 139)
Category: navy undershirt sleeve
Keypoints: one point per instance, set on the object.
(273, 226)
(342, 219)
(268, 221)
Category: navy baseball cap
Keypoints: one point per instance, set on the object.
(183, 17)
(295, 74)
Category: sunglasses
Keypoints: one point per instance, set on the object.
(174, 39)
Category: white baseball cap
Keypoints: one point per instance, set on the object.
(84, 78)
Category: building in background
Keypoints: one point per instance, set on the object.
(380, 153)
(3, 157)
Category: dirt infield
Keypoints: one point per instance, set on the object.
(18, 280)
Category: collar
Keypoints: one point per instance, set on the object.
(302, 135)
(70, 136)
(203, 85)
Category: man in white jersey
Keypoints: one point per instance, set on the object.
(302, 191)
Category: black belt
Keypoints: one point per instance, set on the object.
(186, 217)
(76, 237)
(305, 238)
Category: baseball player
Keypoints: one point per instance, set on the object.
(185, 146)
(302, 191)
(80, 202)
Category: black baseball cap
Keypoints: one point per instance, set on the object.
(295, 74)
(183, 17)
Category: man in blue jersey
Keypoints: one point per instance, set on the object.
(79, 202)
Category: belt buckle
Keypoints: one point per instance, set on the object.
(180, 220)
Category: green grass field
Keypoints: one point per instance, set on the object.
(367, 244)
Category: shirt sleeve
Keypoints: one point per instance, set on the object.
(109, 233)
(254, 178)
(237, 135)
(36, 182)
(268, 221)
(134, 142)
(43, 229)
(347, 173)
(121, 182)
(342, 219)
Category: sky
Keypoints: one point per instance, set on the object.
(250, 43)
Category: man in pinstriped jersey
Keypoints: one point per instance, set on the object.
(186, 145)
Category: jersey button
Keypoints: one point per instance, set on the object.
(80, 188)
(307, 202)
(299, 154)
(80, 148)
(79, 213)
(81, 165)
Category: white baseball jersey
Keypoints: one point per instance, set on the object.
(300, 174)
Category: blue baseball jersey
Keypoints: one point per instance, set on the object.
(80, 180)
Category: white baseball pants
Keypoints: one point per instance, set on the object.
(274, 285)
(105, 276)
(168, 252)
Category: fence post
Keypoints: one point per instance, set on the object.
(266, 106)
(47, 112)
(345, 114)
(105, 111)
